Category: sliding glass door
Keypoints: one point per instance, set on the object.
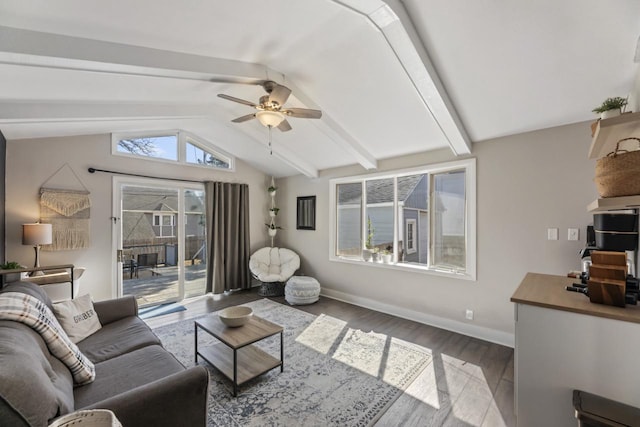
(160, 236)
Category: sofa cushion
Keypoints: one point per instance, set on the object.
(29, 289)
(33, 383)
(117, 338)
(77, 317)
(126, 372)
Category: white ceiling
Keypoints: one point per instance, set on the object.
(391, 78)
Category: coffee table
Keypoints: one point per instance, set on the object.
(234, 355)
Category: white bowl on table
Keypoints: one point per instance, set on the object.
(235, 316)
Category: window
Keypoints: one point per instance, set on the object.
(424, 216)
(411, 236)
(173, 146)
(200, 156)
(159, 147)
(164, 224)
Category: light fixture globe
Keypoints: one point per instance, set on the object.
(270, 118)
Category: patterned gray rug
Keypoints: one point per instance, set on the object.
(333, 375)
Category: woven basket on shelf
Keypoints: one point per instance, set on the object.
(618, 173)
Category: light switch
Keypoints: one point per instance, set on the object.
(552, 234)
(573, 234)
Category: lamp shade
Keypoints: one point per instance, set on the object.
(36, 234)
(270, 118)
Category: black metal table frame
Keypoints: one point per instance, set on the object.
(235, 355)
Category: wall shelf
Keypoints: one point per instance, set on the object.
(614, 203)
(609, 131)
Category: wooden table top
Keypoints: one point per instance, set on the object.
(254, 330)
(545, 290)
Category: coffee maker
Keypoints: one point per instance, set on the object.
(615, 231)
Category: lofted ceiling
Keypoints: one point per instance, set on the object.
(392, 78)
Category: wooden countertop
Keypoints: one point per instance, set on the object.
(545, 290)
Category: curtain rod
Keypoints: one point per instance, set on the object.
(94, 170)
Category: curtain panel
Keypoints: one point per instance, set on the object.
(227, 209)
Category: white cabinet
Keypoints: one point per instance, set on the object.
(564, 342)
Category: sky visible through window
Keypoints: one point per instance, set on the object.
(161, 147)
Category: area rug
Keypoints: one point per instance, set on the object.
(333, 375)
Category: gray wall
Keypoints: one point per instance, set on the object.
(30, 163)
(525, 184)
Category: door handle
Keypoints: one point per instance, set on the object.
(120, 255)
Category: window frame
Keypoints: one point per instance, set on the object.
(172, 219)
(182, 138)
(468, 165)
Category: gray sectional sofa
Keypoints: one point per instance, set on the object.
(136, 378)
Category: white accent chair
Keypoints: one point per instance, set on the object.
(273, 267)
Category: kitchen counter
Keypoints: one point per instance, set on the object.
(545, 290)
(565, 343)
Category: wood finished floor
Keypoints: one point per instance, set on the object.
(469, 383)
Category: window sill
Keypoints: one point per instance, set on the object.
(414, 268)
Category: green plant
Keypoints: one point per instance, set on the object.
(275, 210)
(274, 227)
(370, 232)
(611, 104)
(386, 252)
(10, 266)
(272, 188)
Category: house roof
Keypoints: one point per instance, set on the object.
(378, 190)
(158, 200)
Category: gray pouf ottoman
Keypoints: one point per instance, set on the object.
(301, 290)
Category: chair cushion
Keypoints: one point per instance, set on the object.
(127, 372)
(116, 338)
(274, 264)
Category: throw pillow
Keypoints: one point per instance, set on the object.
(77, 317)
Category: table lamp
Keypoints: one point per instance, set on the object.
(36, 235)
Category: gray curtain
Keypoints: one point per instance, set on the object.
(227, 236)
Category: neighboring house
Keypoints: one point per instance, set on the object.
(150, 221)
(413, 216)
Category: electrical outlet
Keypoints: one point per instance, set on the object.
(573, 234)
(552, 234)
(469, 314)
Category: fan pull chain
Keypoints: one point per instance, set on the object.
(270, 149)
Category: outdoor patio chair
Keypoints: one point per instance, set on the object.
(147, 261)
(273, 267)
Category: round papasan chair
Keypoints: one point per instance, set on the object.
(273, 267)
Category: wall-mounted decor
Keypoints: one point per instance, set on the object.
(306, 214)
(67, 210)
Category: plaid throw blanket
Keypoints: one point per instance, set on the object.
(34, 313)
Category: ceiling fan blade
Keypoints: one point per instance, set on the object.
(303, 113)
(238, 100)
(284, 126)
(279, 94)
(244, 118)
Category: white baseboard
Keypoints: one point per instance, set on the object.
(486, 334)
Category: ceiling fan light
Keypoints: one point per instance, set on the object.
(270, 118)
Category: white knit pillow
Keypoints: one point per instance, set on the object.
(77, 317)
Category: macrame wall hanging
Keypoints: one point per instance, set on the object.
(68, 212)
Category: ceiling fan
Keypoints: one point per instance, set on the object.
(271, 112)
